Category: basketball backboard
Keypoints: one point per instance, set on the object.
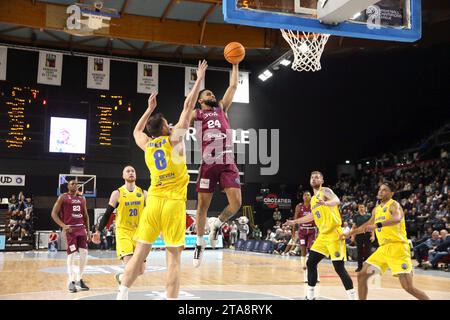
(389, 20)
(87, 184)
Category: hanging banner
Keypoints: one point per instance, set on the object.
(98, 73)
(190, 76)
(147, 77)
(12, 180)
(3, 56)
(50, 68)
(243, 89)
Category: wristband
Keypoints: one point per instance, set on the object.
(379, 225)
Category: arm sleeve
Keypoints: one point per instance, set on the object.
(105, 218)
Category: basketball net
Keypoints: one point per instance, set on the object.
(307, 47)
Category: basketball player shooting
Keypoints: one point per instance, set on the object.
(218, 165)
(388, 221)
(70, 213)
(325, 214)
(129, 200)
(165, 210)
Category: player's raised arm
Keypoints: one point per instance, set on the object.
(227, 99)
(112, 204)
(140, 137)
(330, 200)
(189, 104)
(55, 213)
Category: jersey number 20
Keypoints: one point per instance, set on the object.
(160, 160)
(133, 212)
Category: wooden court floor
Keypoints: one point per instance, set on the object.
(224, 274)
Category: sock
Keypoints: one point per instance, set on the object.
(318, 276)
(303, 261)
(123, 293)
(200, 241)
(351, 294)
(83, 262)
(120, 277)
(70, 267)
(310, 293)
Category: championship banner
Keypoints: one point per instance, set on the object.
(98, 73)
(50, 68)
(3, 57)
(147, 77)
(243, 89)
(190, 76)
(11, 180)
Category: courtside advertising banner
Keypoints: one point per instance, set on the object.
(147, 77)
(243, 89)
(12, 180)
(98, 73)
(190, 76)
(3, 57)
(50, 68)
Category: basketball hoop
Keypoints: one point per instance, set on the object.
(307, 47)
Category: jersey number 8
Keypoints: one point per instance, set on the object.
(160, 160)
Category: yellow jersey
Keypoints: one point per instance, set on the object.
(131, 204)
(389, 234)
(168, 170)
(327, 219)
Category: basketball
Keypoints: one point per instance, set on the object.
(234, 52)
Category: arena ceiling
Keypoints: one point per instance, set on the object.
(179, 29)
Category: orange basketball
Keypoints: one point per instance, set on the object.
(234, 52)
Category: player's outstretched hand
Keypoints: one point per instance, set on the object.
(370, 228)
(201, 70)
(68, 229)
(152, 101)
(344, 236)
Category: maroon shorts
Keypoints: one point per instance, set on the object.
(307, 236)
(76, 239)
(227, 175)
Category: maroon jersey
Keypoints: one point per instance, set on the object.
(216, 136)
(301, 210)
(72, 210)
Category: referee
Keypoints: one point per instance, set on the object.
(363, 240)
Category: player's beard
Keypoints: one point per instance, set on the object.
(130, 180)
(211, 103)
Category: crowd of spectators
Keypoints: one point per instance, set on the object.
(20, 212)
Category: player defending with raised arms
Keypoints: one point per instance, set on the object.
(129, 200)
(70, 213)
(394, 252)
(325, 214)
(218, 165)
(165, 209)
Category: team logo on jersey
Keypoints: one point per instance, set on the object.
(385, 209)
(404, 266)
(138, 195)
(204, 183)
(318, 214)
(337, 254)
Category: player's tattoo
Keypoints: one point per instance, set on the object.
(226, 214)
(328, 193)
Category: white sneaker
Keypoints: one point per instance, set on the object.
(198, 255)
(214, 232)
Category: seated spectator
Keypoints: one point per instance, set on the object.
(14, 226)
(53, 241)
(292, 245)
(226, 235)
(12, 202)
(271, 236)
(233, 233)
(25, 229)
(256, 233)
(20, 208)
(28, 209)
(442, 250)
(421, 250)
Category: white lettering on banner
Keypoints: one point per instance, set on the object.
(12, 180)
(239, 136)
(50, 68)
(147, 77)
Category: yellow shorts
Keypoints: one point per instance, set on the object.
(395, 256)
(125, 244)
(330, 246)
(163, 215)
